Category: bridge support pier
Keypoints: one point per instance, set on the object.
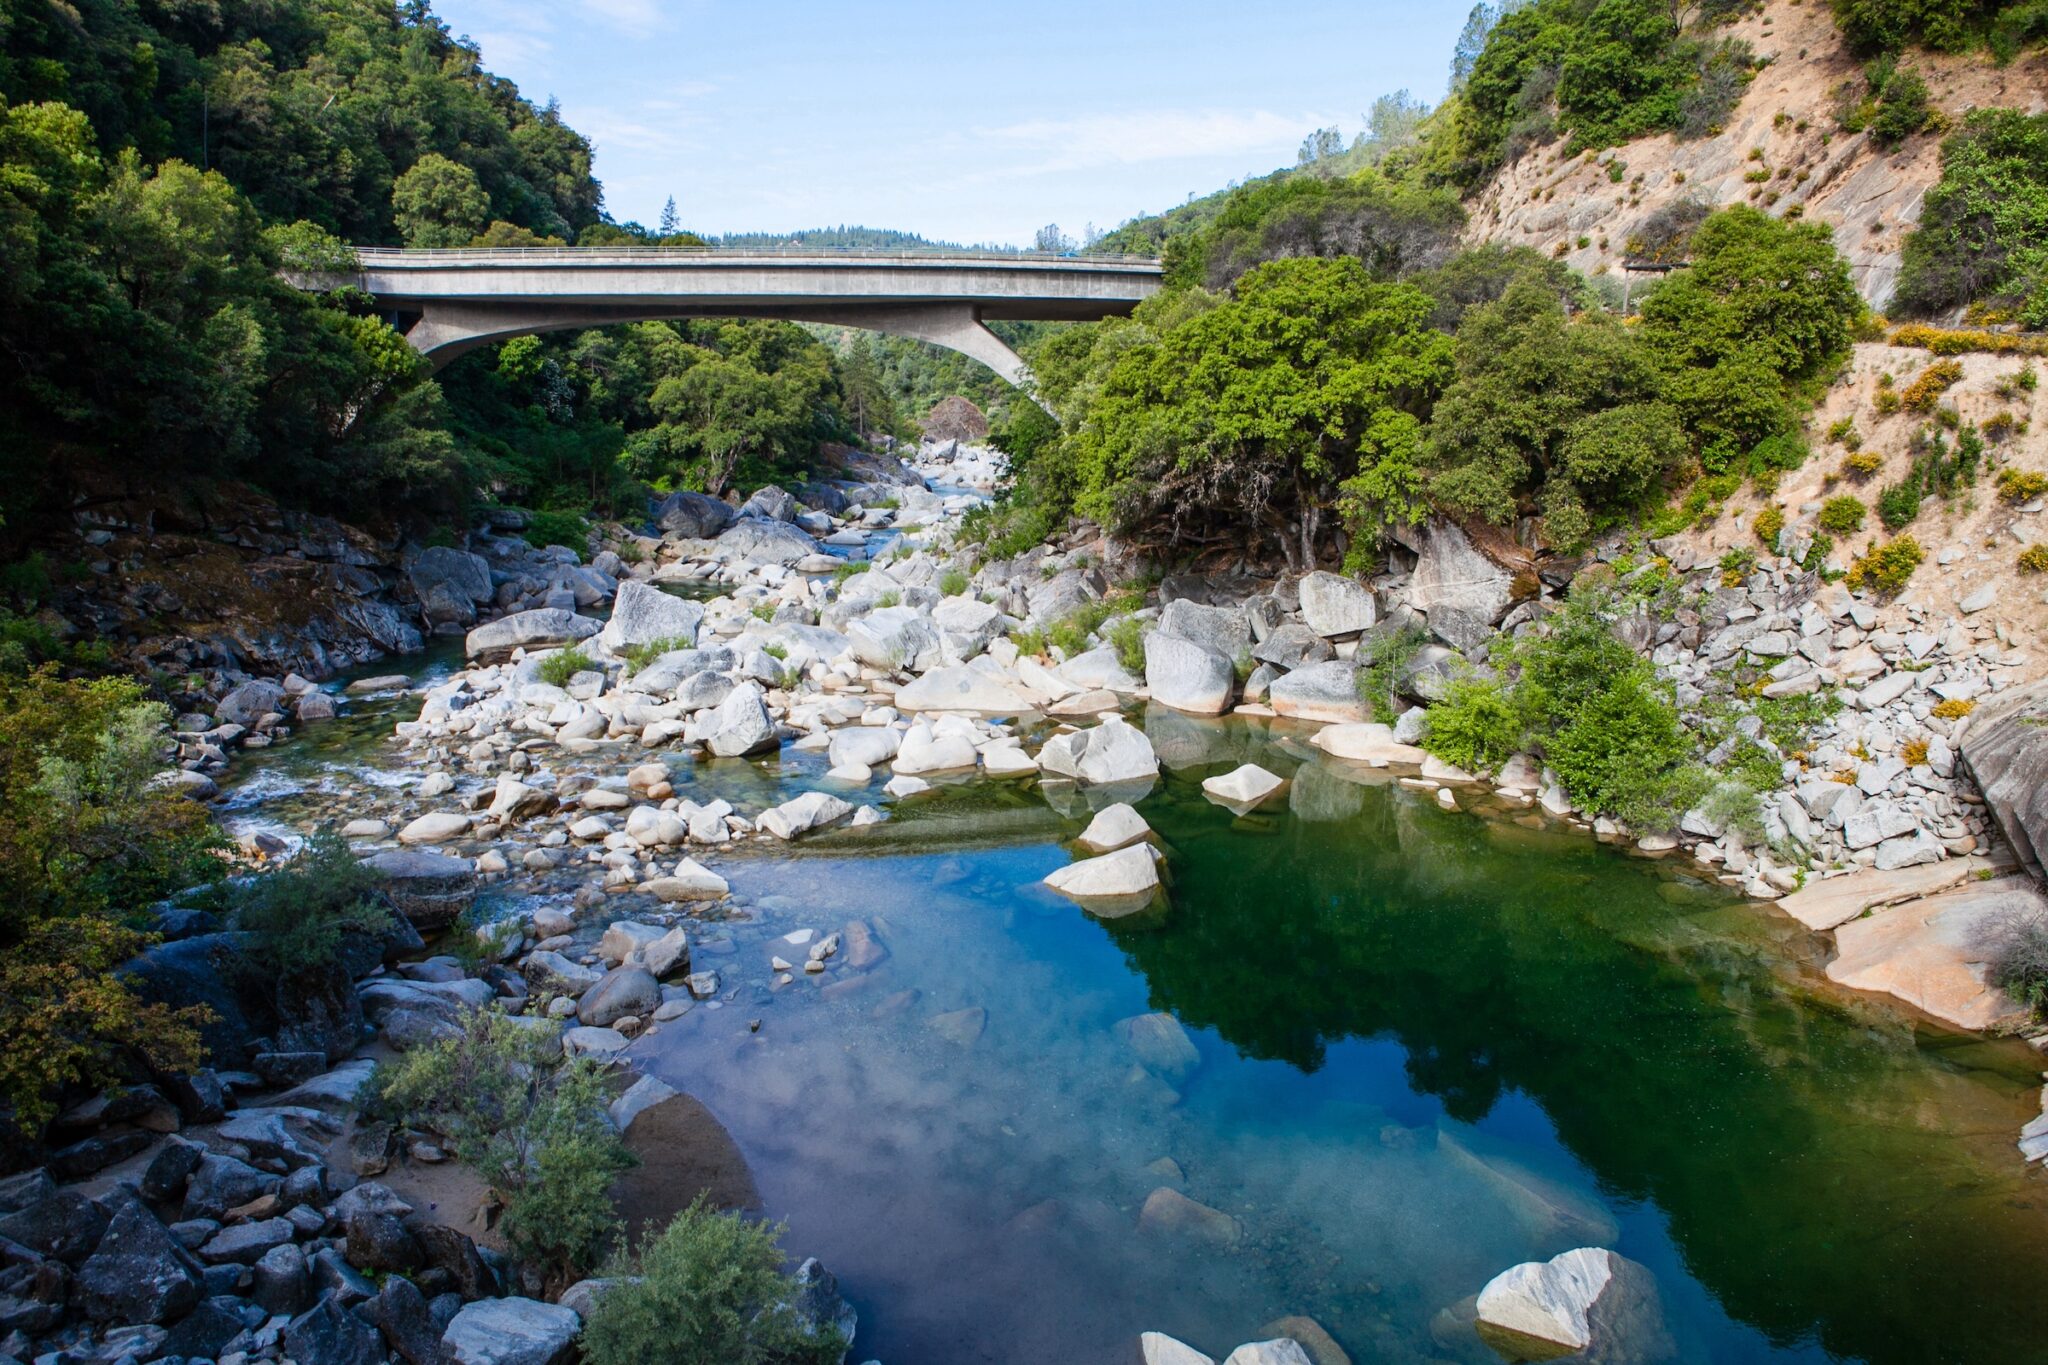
(447, 329)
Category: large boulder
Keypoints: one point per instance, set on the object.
(802, 814)
(1187, 676)
(895, 638)
(759, 541)
(954, 418)
(741, 724)
(430, 889)
(693, 516)
(542, 628)
(770, 503)
(621, 992)
(643, 615)
(963, 688)
(1451, 572)
(138, 1273)
(328, 1334)
(1226, 630)
(1128, 872)
(250, 702)
(512, 1332)
(450, 583)
(1333, 605)
(204, 970)
(966, 625)
(1325, 692)
(1114, 751)
(2005, 752)
(1589, 1304)
(925, 750)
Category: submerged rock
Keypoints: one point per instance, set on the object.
(1130, 871)
(1589, 1304)
(1114, 827)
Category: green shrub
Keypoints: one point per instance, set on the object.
(2021, 485)
(708, 1291)
(531, 1122)
(1381, 660)
(1769, 521)
(85, 843)
(890, 598)
(849, 569)
(563, 664)
(1127, 637)
(640, 656)
(765, 611)
(1863, 463)
(1842, 432)
(1898, 504)
(297, 916)
(1476, 726)
(953, 583)
(1619, 754)
(549, 527)
(1886, 568)
(1932, 382)
(2034, 559)
(776, 650)
(1983, 230)
(1842, 515)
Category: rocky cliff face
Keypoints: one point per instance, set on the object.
(171, 583)
(1784, 130)
(2007, 756)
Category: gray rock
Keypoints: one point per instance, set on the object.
(250, 702)
(1112, 752)
(643, 615)
(450, 584)
(770, 502)
(1451, 572)
(1187, 676)
(246, 1243)
(1325, 692)
(220, 1183)
(206, 1331)
(165, 1177)
(543, 628)
(756, 541)
(895, 638)
(693, 516)
(62, 1223)
(328, 1334)
(511, 1332)
(406, 1322)
(138, 1272)
(451, 1251)
(1333, 605)
(1290, 646)
(550, 971)
(281, 1282)
(1222, 629)
(741, 724)
(2005, 752)
(620, 992)
(379, 1241)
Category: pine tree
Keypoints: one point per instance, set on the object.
(669, 223)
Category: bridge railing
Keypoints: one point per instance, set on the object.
(431, 255)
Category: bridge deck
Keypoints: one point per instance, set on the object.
(999, 285)
(454, 300)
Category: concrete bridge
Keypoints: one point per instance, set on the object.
(449, 302)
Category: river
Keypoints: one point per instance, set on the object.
(1425, 1046)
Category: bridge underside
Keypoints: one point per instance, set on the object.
(447, 328)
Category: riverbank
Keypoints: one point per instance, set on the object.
(785, 838)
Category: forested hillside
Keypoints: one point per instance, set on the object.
(1345, 347)
(159, 164)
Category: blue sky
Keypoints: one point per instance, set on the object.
(961, 121)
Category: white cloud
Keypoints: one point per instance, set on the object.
(1126, 139)
(637, 17)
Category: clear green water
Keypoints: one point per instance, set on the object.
(1430, 1047)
